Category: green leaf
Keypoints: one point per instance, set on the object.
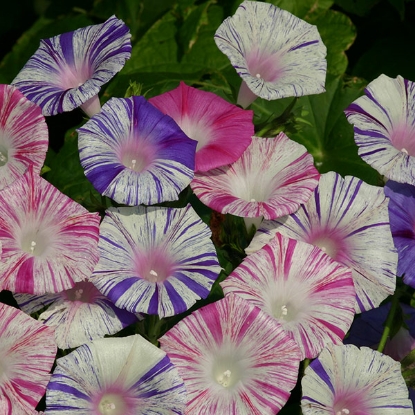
(301, 8)
(359, 7)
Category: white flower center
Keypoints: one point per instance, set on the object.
(225, 378)
(404, 150)
(228, 368)
(258, 76)
(284, 311)
(112, 404)
(344, 411)
(152, 276)
(37, 243)
(3, 158)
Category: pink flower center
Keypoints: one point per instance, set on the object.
(403, 138)
(155, 265)
(332, 242)
(114, 401)
(137, 156)
(351, 403)
(72, 77)
(84, 292)
(264, 66)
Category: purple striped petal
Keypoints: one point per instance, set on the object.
(49, 241)
(27, 353)
(134, 154)
(234, 359)
(116, 376)
(271, 179)
(347, 380)
(155, 260)
(312, 298)
(69, 69)
(384, 127)
(348, 219)
(276, 54)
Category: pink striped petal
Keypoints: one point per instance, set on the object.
(311, 295)
(234, 359)
(271, 179)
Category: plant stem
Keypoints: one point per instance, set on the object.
(389, 322)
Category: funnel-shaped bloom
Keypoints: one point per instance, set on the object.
(78, 315)
(116, 376)
(271, 179)
(68, 70)
(27, 353)
(49, 241)
(346, 380)
(155, 260)
(222, 130)
(311, 295)
(276, 54)
(234, 359)
(384, 127)
(134, 154)
(348, 219)
(23, 135)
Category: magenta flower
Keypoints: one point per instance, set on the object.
(276, 54)
(271, 179)
(27, 353)
(234, 359)
(49, 241)
(115, 376)
(68, 70)
(312, 298)
(23, 135)
(223, 131)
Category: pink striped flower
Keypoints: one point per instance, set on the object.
(27, 353)
(271, 179)
(234, 359)
(23, 135)
(311, 295)
(49, 241)
(222, 130)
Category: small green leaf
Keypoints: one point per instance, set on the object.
(301, 8)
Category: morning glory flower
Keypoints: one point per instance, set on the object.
(155, 260)
(271, 179)
(348, 219)
(27, 353)
(234, 359)
(312, 298)
(384, 127)
(68, 70)
(116, 376)
(134, 154)
(78, 315)
(222, 130)
(49, 241)
(346, 380)
(23, 135)
(276, 54)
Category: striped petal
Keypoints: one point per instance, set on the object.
(312, 298)
(276, 54)
(222, 130)
(27, 353)
(348, 219)
(23, 135)
(116, 376)
(347, 380)
(134, 154)
(49, 241)
(234, 359)
(271, 179)
(68, 70)
(384, 127)
(155, 260)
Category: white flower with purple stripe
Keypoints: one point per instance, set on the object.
(155, 260)
(384, 127)
(276, 54)
(134, 154)
(68, 70)
(348, 219)
(345, 380)
(116, 376)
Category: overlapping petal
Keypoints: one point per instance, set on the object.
(349, 220)
(155, 260)
(311, 295)
(116, 376)
(222, 130)
(276, 54)
(134, 154)
(234, 359)
(384, 127)
(68, 70)
(49, 241)
(271, 179)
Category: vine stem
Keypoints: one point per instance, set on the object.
(389, 321)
